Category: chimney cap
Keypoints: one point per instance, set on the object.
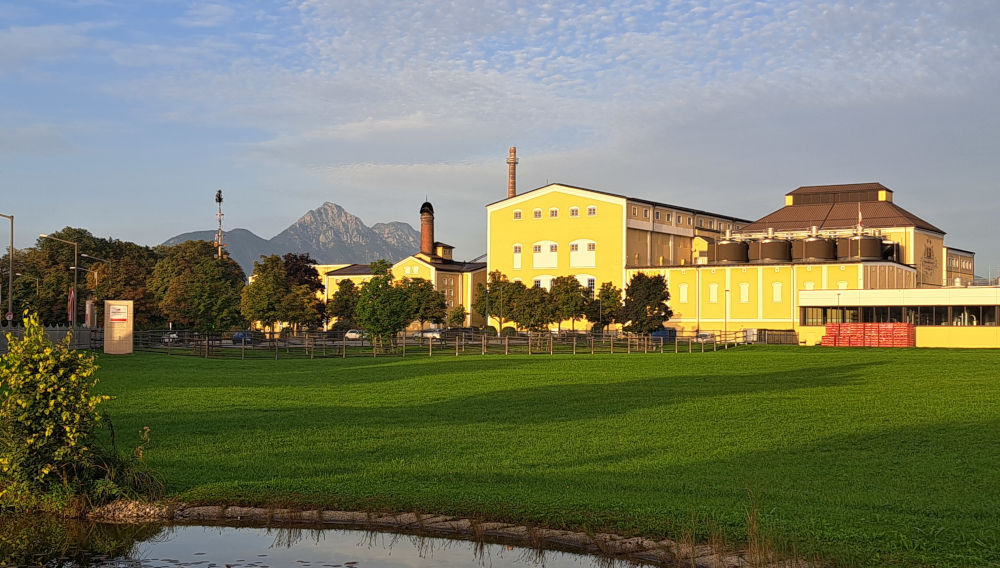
(427, 208)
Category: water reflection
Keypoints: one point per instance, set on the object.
(57, 543)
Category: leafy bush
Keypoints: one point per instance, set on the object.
(47, 414)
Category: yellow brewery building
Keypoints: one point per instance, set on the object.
(832, 254)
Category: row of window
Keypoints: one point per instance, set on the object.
(554, 212)
(916, 315)
(553, 247)
(960, 263)
(667, 217)
(546, 282)
(742, 293)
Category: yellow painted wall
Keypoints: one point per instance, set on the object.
(605, 228)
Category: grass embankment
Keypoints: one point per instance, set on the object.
(863, 456)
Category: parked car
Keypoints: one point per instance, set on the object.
(668, 334)
(246, 338)
(170, 338)
(429, 333)
(354, 334)
(705, 337)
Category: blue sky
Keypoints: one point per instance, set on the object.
(125, 117)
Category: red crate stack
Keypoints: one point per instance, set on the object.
(870, 335)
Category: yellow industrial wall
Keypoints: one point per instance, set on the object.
(606, 229)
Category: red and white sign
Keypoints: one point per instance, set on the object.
(118, 314)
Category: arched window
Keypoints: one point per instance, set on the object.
(582, 253)
(544, 255)
(517, 256)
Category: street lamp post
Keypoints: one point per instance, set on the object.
(76, 261)
(10, 276)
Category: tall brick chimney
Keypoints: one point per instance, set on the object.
(427, 228)
(511, 172)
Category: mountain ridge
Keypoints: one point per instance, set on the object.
(329, 233)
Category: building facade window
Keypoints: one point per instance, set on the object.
(656, 215)
(517, 214)
(682, 292)
(713, 293)
(538, 283)
(744, 293)
(645, 213)
(537, 213)
(574, 211)
(582, 256)
(517, 249)
(635, 211)
(545, 255)
(591, 211)
(592, 286)
(776, 292)
(553, 213)
(669, 215)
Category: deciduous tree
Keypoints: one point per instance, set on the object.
(604, 308)
(645, 307)
(569, 298)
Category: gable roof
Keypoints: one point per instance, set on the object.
(352, 270)
(636, 199)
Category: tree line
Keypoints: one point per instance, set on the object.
(643, 308)
(188, 287)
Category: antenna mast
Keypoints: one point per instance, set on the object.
(218, 236)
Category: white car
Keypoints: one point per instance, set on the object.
(354, 334)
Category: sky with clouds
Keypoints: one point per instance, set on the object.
(125, 117)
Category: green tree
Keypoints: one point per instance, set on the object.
(533, 308)
(264, 299)
(645, 307)
(47, 412)
(344, 304)
(604, 308)
(426, 303)
(301, 307)
(496, 298)
(383, 308)
(301, 271)
(569, 299)
(456, 316)
(195, 289)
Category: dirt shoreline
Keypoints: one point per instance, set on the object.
(663, 552)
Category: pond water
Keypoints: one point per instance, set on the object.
(34, 541)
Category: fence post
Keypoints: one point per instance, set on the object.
(484, 343)
(343, 344)
(574, 345)
(404, 344)
(430, 346)
(550, 343)
(628, 345)
(529, 343)
(456, 346)
(506, 345)
(612, 341)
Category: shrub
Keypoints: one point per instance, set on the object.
(47, 414)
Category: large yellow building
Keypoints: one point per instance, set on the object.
(560, 230)
(832, 254)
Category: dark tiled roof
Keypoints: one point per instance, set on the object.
(839, 188)
(456, 266)
(636, 199)
(843, 215)
(352, 270)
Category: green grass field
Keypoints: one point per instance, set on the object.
(860, 456)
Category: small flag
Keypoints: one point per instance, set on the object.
(71, 316)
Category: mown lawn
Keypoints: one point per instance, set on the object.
(861, 456)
